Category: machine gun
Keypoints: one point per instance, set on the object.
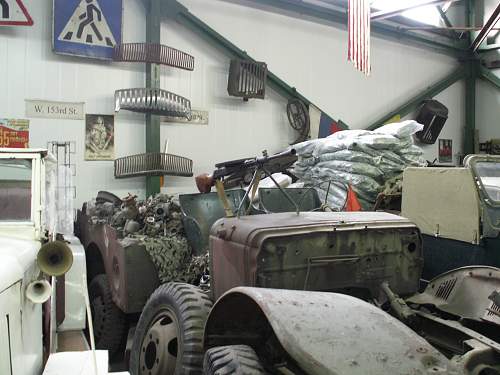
(246, 171)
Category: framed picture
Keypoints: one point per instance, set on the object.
(99, 137)
(445, 151)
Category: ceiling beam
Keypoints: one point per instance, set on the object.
(488, 26)
(452, 47)
(400, 20)
(490, 77)
(383, 14)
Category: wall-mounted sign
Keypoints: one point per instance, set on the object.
(99, 137)
(88, 28)
(52, 109)
(14, 13)
(198, 117)
(14, 133)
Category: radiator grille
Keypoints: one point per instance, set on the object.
(155, 101)
(445, 288)
(247, 79)
(153, 164)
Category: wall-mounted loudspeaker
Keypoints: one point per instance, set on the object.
(432, 115)
(55, 258)
(38, 291)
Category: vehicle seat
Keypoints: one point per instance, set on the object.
(201, 211)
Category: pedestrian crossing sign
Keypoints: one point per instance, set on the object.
(88, 28)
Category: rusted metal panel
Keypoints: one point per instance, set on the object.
(152, 100)
(153, 164)
(463, 292)
(131, 274)
(153, 53)
(329, 333)
(316, 251)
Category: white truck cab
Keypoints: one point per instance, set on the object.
(23, 224)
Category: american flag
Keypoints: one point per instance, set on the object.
(359, 35)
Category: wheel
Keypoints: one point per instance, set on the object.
(235, 359)
(108, 320)
(169, 336)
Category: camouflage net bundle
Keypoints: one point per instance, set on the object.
(155, 223)
(172, 258)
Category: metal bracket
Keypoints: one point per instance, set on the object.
(154, 54)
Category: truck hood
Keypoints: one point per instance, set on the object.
(16, 258)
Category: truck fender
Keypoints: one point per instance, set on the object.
(324, 333)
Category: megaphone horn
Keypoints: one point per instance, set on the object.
(55, 258)
(38, 291)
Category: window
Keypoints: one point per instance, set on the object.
(15, 189)
(426, 14)
(489, 173)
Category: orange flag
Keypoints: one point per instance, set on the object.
(352, 203)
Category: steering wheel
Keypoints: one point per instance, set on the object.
(298, 117)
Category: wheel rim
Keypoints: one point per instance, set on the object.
(159, 347)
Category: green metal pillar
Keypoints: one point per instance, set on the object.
(470, 107)
(153, 31)
(470, 88)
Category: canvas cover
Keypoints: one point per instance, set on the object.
(443, 202)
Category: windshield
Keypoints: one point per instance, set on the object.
(15, 190)
(489, 173)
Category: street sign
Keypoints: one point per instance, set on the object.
(87, 28)
(14, 13)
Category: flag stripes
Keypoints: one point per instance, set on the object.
(358, 49)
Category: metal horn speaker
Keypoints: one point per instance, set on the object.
(55, 258)
(38, 291)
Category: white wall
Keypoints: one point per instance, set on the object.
(308, 55)
(30, 70)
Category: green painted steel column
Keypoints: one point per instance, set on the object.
(470, 108)
(153, 31)
(470, 88)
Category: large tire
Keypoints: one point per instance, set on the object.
(108, 320)
(169, 336)
(235, 359)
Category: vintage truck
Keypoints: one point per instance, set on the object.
(319, 293)
(457, 210)
(31, 331)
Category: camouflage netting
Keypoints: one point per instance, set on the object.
(156, 224)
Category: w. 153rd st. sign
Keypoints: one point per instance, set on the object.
(88, 28)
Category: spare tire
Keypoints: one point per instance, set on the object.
(234, 359)
(168, 339)
(108, 320)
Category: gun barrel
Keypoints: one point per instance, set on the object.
(284, 154)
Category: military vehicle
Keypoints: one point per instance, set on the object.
(28, 258)
(134, 246)
(317, 293)
(458, 211)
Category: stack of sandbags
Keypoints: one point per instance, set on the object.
(364, 159)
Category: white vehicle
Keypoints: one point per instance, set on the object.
(23, 287)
